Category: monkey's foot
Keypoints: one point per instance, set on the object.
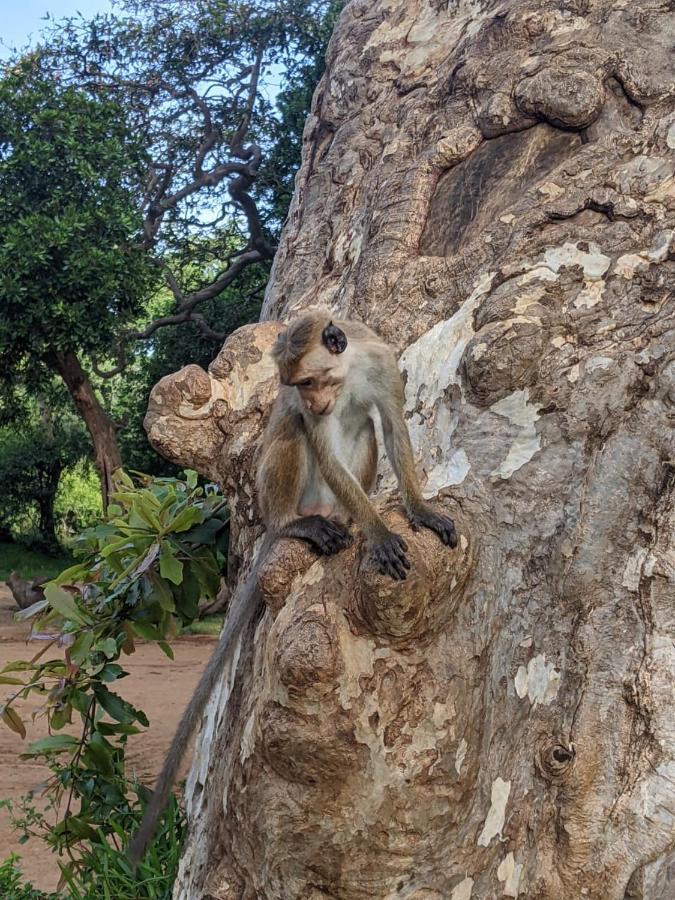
(325, 535)
(428, 518)
(389, 556)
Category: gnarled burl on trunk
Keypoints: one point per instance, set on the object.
(490, 185)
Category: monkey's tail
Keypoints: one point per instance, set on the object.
(243, 605)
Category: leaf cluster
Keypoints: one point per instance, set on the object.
(35, 450)
(12, 885)
(71, 270)
(141, 574)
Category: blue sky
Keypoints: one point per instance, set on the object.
(21, 20)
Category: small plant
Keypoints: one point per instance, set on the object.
(141, 574)
(12, 886)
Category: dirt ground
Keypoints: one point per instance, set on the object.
(155, 684)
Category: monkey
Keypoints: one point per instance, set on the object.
(316, 465)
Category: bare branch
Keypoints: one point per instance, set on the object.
(237, 140)
(188, 302)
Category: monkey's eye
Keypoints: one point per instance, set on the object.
(306, 383)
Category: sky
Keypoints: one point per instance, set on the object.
(21, 21)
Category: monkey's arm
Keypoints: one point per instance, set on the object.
(388, 549)
(400, 453)
(281, 478)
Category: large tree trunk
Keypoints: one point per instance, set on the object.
(100, 426)
(490, 185)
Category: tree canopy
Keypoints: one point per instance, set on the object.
(72, 271)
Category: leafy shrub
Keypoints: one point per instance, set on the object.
(78, 499)
(141, 575)
(12, 887)
(103, 871)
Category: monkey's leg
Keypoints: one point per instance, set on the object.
(325, 535)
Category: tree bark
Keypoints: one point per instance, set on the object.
(491, 186)
(100, 426)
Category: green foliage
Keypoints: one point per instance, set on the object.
(103, 871)
(12, 886)
(141, 575)
(77, 504)
(113, 877)
(70, 272)
(33, 455)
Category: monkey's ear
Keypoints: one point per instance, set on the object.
(334, 339)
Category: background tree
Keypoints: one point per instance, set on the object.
(71, 267)
(211, 100)
(491, 187)
(198, 81)
(33, 457)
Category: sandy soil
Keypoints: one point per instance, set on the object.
(155, 684)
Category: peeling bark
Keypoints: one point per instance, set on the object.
(491, 186)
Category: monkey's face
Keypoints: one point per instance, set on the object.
(319, 392)
(320, 379)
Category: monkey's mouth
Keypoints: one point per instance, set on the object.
(327, 410)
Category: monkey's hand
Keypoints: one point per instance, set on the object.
(325, 535)
(389, 556)
(427, 517)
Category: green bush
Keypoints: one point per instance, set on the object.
(13, 888)
(141, 574)
(78, 499)
(103, 871)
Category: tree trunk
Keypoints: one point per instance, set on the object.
(107, 457)
(47, 523)
(489, 185)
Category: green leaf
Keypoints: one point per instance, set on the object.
(162, 593)
(121, 479)
(19, 665)
(80, 701)
(191, 478)
(75, 826)
(31, 610)
(206, 533)
(185, 519)
(5, 679)
(166, 649)
(64, 603)
(81, 648)
(116, 708)
(108, 646)
(72, 574)
(124, 543)
(54, 743)
(112, 728)
(147, 631)
(99, 756)
(61, 717)
(169, 567)
(13, 721)
(191, 593)
(111, 672)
